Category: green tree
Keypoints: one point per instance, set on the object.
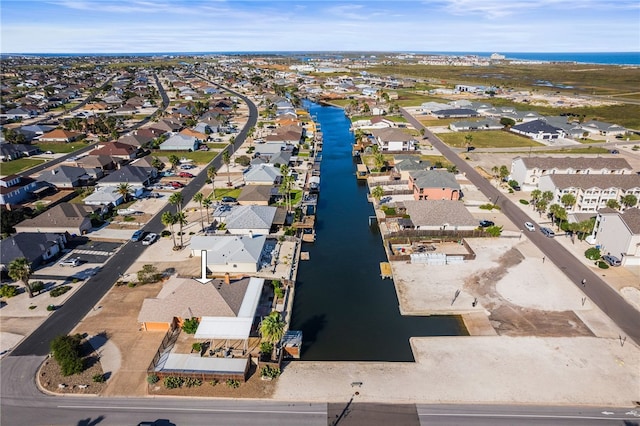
(176, 199)
(207, 202)
(124, 189)
(568, 201)
(174, 161)
(377, 193)
(272, 327)
(613, 204)
(20, 270)
(226, 159)
(379, 161)
(547, 196)
(211, 174)
(168, 219)
(468, 138)
(504, 172)
(181, 220)
(199, 198)
(541, 206)
(66, 352)
(629, 200)
(506, 121)
(155, 162)
(495, 171)
(536, 195)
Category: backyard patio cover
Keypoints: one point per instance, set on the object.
(233, 327)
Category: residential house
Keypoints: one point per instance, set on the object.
(602, 128)
(455, 113)
(465, 126)
(117, 149)
(232, 254)
(66, 177)
(263, 174)
(104, 196)
(528, 170)
(393, 139)
(15, 189)
(201, 136)
(404, 165)
(180, 143)
(618, 234)
(10, 151)
(101, 162)
(60, 135)
(250, 220)
(443, 215)
(538, 130)
(37, 247)
(572, 129)
(136, 177)
(591, 191)
(258, 195)
(434, 185)
(64, 217)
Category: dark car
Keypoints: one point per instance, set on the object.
(228, 200)
(611, 260)
(615, 151)
(486, 223)
(547, 232)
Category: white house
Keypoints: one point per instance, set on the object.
(528, 170)
(619, 234)
(180, 143)
(392, 139)
(233, 254)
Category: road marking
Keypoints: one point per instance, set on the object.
(208, 410)
(524, 416)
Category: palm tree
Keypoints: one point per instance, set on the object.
(176, 200)
(504, 172)
(613, 204)
(207, 202)
(377, 193)
(211, 174)
(547, 196)
(169, 220)
(20, 270)
(272, 327)
(495, 170)
(536, 194)
(541, 206)
(554, 210)
(199, 198)
(226, 159)
(181, 219)
(568, 200)
(174, 160)
(629, 200)
(468, 138)
(378, 158)
(124, 189)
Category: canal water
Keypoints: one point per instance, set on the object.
(344, 309)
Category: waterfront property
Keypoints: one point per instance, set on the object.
(230, 254)
(434, 185)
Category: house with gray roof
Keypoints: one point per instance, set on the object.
(10, 151)
(455, 113)
(486, 124)
(232, 254)
(263, 174)
(619, 234)
(572, 129)
(407, 164)
(602, 128)
(590, 191)
(136, 177)
(528, 170)
(37, 247)
(15, 189)
(439, 215)
(434, 185)
(64, 217)
(180, 142)
(66, 177)
(250, 219)
(393, 139)
(538, 130)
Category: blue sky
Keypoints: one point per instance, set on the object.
(114, 26)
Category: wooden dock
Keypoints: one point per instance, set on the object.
(385, 270)
(304, 255)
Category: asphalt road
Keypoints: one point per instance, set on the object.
(606, 298)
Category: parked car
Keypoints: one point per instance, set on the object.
(187, 167)
(486, 223)
(615, 151)
(73, 262)
(547, 232)
(228, 200)
(48, 152)
(185, 175)
(612, 260)
(137, 236)
(150, 239)
(174, 184)
(530, 226)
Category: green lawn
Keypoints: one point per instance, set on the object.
(60, 147)
(19, 165)
(487, 139)
(585, 150)
(227, 192)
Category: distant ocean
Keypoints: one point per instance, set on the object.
(608, 58)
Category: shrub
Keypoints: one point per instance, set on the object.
(190, 325)
(269, 372)
(233, 384)
(279, 292)
(592, 253)
(192, 382)
(59, 291)
(51, 308)
(8, 290)
(173, 382)
(603, 265)
(196, 347)
(131, 284)
(214, 382)
(148, 274)
(152, 379)
(32, 307)
(266, 348)
(75, 280)
(37, 286)
(165, 233)
(524, 202)
(494, 231)
(99, 378)
(489, 206)
(66, 352)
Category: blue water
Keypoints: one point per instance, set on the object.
(344, 309)
(608, 58)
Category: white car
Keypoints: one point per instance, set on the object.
(530, 226)
(73, 262)
(149, 239)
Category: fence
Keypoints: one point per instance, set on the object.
(169, 339)
(206, 376)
